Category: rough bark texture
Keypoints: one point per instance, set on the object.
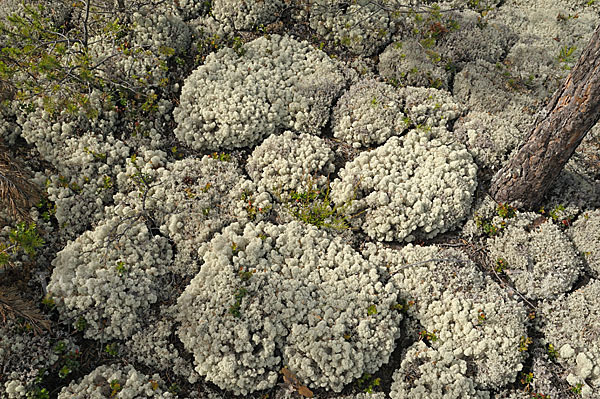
(572, 112)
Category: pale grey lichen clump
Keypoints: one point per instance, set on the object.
(246, 14)
(191, 199)
(585, 234)
(274, 295)
(85, 184)
(368, 114)
(490, 139)
(474, 319)
(158, 28)
(475, 38)
(406, 63)
(23, 353)
(153, 347)
(430, 107)
(426, 53)
(428, 373)
(234, 100)
(417, 185)
(291, 162)
(572, 325)
(102, 383)
(362, 27)
(540, 260)
(49, 132)
(110, 275)
(483, 86)
(138, 60)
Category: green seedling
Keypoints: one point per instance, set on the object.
(428, 336)
(552, 352)
(112, 349)
(524, 343)
(371, 310)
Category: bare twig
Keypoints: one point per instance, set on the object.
(16, 191)
(13, 306)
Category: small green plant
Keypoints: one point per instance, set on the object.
(60, 347)
(501, 265)
(175, 152)
(234, 309)
(107, 182)
(46, 208)
(24, 237)
(141, 180)
(48, 302)
(99, 156)
(367, 383)
(112, 349)
(403, 305)
(64, 372)
(527, 380)
(238, 46)
(221, 156)
(481, 316)
(173, 388)
(245, 275)
(371, 310)
(67, 359)
(577, 388)
(37, 393)
(81, 324)
(206, 187)
(490, 229)
(552, 352)
(506, 211)
(524, 343)
(251, 209)
(121, 268)
(556, 211)
(428, 336)
(115, 387)
(314, 206)
(566, 56)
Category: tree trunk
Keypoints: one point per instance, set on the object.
(572, 112)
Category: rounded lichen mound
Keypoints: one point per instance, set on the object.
(288, 295)
(192, 199)
(235, 100)
(427, 373)
(417, 185)
(540, 260)
(108, 277)
(246, 14)
(369, 113)
(116, 381)
(585, 234)
(286, 162)
(406, 63)
(464, 315)
(362, 27)
(572, 325)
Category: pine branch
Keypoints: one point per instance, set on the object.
(13, 306)
(17, 193)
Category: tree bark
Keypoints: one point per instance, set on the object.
(573, 110)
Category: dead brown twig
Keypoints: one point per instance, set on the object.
(17, 192)
(13, 306)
